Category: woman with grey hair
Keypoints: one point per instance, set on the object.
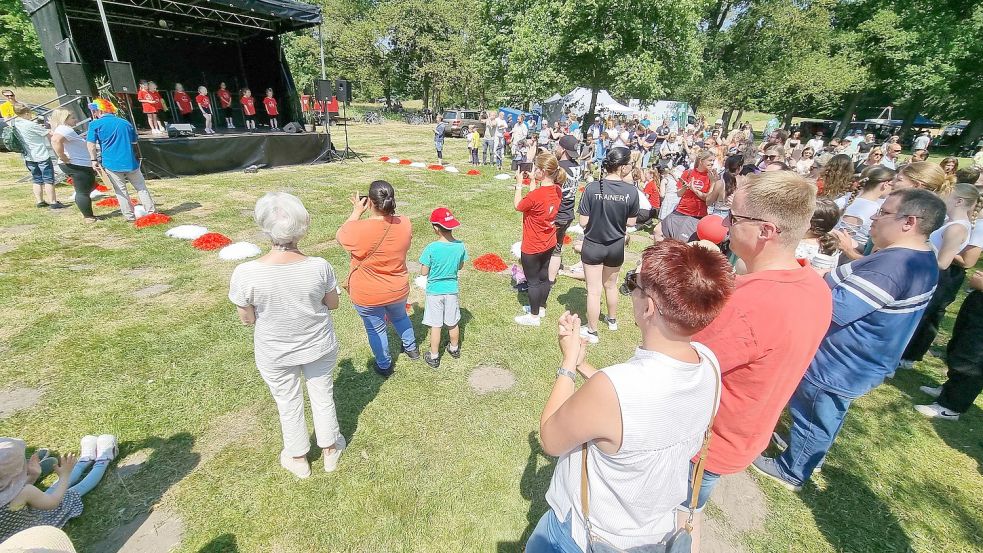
(288, 297)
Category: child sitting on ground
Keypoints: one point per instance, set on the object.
(441, 260)
(23, 506)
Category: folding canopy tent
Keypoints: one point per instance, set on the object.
(578, 100)
(194, 42)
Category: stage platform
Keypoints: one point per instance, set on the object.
(228, 151)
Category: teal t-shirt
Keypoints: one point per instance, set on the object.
(444, 260)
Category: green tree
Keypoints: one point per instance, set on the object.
(21, 58)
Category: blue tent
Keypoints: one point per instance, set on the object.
(512, 115)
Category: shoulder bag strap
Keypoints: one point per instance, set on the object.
(701, 462)
(348, 282)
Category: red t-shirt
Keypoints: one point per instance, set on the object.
(147, 101)
(248, 105)
(203, 102)
(689, 204)
(539, 209)
(270, 104)
(158, 101)
(224, 98)
(651, 192)
(183, 102)
(764, 339)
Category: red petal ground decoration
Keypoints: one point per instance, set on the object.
(405, 162)
(490, 263)
(211, 241)
(566, 240)
(152, 220)
(108, 202)
(581, 189)
(102, 187)
(435, 167)
(383, 158)
(474, 172)
(69, 181)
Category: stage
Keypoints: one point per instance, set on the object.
(228, 151)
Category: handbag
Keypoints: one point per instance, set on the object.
(348, 281)
(681, 540)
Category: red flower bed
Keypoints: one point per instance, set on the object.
(405, 162)
(102, 187)
(435, 167)
(383, 158)
(490, 263)
(474, 172)
(113, 202)
(211, 241)
(151, 220)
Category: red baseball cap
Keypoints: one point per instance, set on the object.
(444, 218)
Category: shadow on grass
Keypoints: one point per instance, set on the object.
(226, 543)
(169, 461)
(533, 485)
(353, 390)
(181, 208)
(574, 300)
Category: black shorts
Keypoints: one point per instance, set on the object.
(206, 111)
(250, 117)
(561, 232)
(611, 254)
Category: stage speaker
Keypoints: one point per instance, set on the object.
(74, 78)
(344, 90)
(121, 77)
(324, 89)
(292, 127)
(175, 130)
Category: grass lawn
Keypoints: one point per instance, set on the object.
(431, 465)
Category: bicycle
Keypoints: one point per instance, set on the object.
(372, 118)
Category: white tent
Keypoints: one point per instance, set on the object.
(578, 101)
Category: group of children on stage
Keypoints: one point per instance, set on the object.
(152, 104)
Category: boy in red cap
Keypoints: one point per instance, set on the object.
(441, 260)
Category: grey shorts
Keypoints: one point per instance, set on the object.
(442, 310)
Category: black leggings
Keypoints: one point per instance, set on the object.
(950, 280)
(536, 267)
(965, 357)
(84, 181)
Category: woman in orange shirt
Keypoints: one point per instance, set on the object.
(378, 281)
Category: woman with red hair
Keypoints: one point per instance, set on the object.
(632, 428)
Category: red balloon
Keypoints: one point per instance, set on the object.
(712, 228)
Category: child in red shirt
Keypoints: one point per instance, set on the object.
(159, 104)
(205, 105)
(539, 209)
(225, 105)
(183, 102)
(652, 190)
(149, 105)
(248, 108)
(270, 103)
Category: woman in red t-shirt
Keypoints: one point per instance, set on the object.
(695, 186)
(183, 102)
(225, 105)
(149, 105)
(539, 209)
(248, 109)
(270, 104)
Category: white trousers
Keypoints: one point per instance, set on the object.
(284, 383)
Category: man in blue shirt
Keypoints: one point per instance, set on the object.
(877, 303)
(119, 154)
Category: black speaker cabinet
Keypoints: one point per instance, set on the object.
(344, 90)
(324, 89)
(74, 78)
(121, 77)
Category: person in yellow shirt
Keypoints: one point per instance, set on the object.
(474, 141)
(7, 108)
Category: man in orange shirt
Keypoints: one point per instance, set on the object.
(769, 331)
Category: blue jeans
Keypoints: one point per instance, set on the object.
(85, 485)
(374, 319)
(817, 417)
(552, 536)
(709, 481)
(42, 172)
(646, 158)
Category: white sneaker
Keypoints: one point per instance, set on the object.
(106, 447)
(299, 467)
(612, 323)
(591, 337)
(331, 461)
(906, 364)
(936, 411)
(934, 392)
(87, 451)
(527, 309)
(528, 320)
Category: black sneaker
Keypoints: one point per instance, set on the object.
(412, 354)
(41, 204)
(433, 361)
(455, 353)
(57, 205)
(384, 373)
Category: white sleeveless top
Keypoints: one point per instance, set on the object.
(75, 147)
(665, 409)
(936, 237)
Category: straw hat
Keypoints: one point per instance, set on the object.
(40, 539)
(13, 469)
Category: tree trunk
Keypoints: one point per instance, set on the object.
(726, 117)
(426, 93)
(737, 120)
(593, 104)
(787, 118)
(848, 116)
(909, 119)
